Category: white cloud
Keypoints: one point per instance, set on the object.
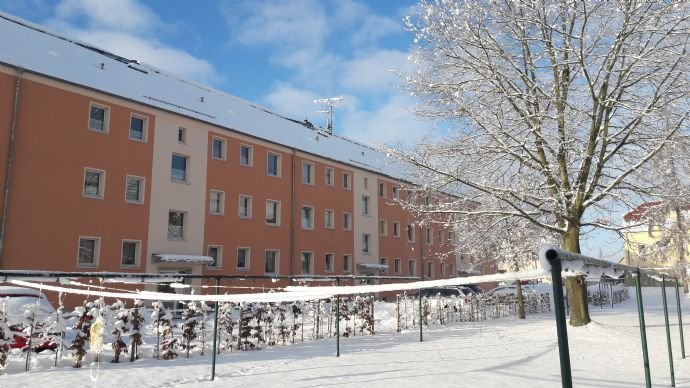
(374, 71)
(118, 15)
(293, 102)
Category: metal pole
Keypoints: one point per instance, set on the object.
(561, 327)
(337, 321)
(421, 323)
(611, 289)
(680, 321)
(643, 332)
(668, 330)
(215, 334)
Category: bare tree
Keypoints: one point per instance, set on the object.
(552, 106)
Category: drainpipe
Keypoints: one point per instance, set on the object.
(292, 212)
(10, 162)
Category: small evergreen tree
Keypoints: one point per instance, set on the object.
(226, 325)
(163, 329)
(83, 329)
(121, 327)
(135, 320)
(189, 326)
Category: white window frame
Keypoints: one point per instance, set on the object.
(247, 258)
(410, 236)
(347, 181)
(250, 155)
(382, 189)
(96, 251)
(347, 258)
(325, 262)
(276, 264)
(347, 216)
(312, 168)
(278, 206)
(278, 163)
(396, 229)
(365, 183)
(396, 193)
(451, 236)
(184, 228)
(429, 269)
(249, 206)
(310, 218)
(310, 264)
(181, 135)
(106, 118)
(329, 219)
(142, 188)
(429, 235)
(221, 202)
(137, 253)
(219, 259)
(223, 148)
(412, 267)
(366, 243)
(440, 236)
(326, 175)
(144, 127)
(101, 183)
(366, 203)
(383, 227)
(397, 265)
(186, 168)
(442, 267)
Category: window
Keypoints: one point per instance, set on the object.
(98, 118)
(365, 205)
(429, 236)
(306, 262)
(410, 197)
(443, 269)
(246, 155)
(411, 267)
(245, 209)
(429, 269)
(329, 262)
(218, 148)
(397, 264)
(272, 212)
(347, 221)
(216, 252)
(384, 261)
(328, 222)
(329, 176)
(307, 217)
(396, 229)
(410, 233)
(426, 201)
(134, 189)
(395, 193)
(181, 135)
(452, 270)
(179, 168)
(346, 263)
(451, 237)
(440, 237)
(347, 178)
(271, 262)
(243, 259)
(383, 227)
(176, 225)
(307, 173)
(365, 242)
(365, 182)
(382, 190)
(137, 128)
(217, 205)
(89, 250)
(94, 183)
(273, 164)
(130, 253)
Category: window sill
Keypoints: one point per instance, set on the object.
(129, 266)
(182, 182)
(216, 214)
(93, 196)
(139, 140)
(134, 202)
(218, 159)
(103, 132)
(84, 265)
(272, 225)
(214, 268)
(181, 239)
(242, 269)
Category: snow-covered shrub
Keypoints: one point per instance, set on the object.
(189, 326)
(135, 320)
(5, 334)
(163, 329)
(120, 328)
(83, 329)
(226, 325)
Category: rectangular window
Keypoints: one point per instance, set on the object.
(426, 201)
(365, 183)
(410, 233)
(218, 148)
(89, 250)
(410, 197)
(365, 242)
(273, 164)
(443, 269)
(176, 225)
(346, 263)
(452, 270)
(243, 259)
(396, 229)
(181, 135)
(347, 221)
(271, 262)
(397, 265)
(216, 252)
(98, 118)
(451, 237)
(246, 155)
(306, 262)
(347, 181)
(307, 173)
(130, 253)
(429, 236)
(137, 128)
(272, 212)
(382, 190)
(395, 193)
(383, 227)
(411, 267)
(329, 262)
(217, 205)
(429, 269)
(329, 176)
(384, 261)
(94, 183)
(307, 217)
(365, 205)
(440, 237)
(179, 168)
(134, 189)
(245, 208)
(328, 222)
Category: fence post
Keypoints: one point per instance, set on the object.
(668, 329)
(561, 328)
(680, 321)
(643, 332)
(215, 333)
(421, 323)
(337, 320)
(611, 289)
(601, 298)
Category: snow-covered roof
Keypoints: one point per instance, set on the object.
(170, 258)
(35, 49)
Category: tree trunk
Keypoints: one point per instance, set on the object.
(521, 300)
(680, 240)
(576, 286)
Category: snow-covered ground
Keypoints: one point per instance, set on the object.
(499, 353)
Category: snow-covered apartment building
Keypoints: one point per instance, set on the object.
(113, 165)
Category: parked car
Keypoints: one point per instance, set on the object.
(21, 304)
(450, 291)
(511, 289)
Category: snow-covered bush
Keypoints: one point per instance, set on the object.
(135, 320)
(5, 334)
(83, 329)
(163, 329)
(120, 328)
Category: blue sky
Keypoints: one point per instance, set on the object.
(280, 54)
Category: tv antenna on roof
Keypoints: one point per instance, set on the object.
(329, 104)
